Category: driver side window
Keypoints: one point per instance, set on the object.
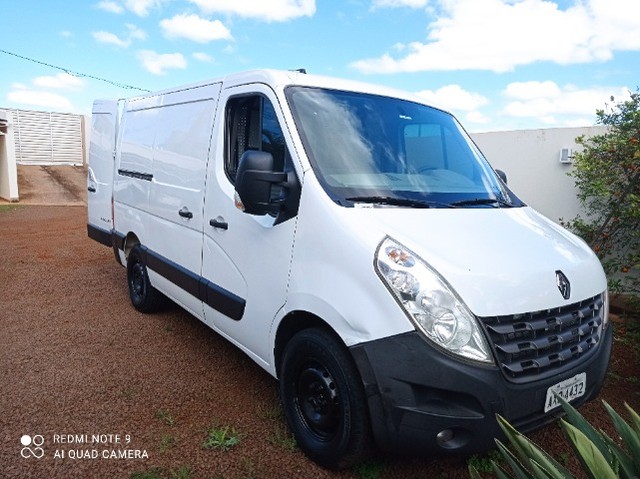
(252, 124)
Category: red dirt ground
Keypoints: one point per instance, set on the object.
(76, 358)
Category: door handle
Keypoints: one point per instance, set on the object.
(185, 213)
(91, 189)
(219, 223)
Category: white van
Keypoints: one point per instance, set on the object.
(355, 243)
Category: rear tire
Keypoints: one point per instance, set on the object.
(323, 400)
(144, 297)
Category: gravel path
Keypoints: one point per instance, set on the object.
(83, 374)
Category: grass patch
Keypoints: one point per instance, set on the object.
(633, 333)
(129, 393)
(155, 473)
(251, 471)
(635, 380)
(183, 472)
(482, 463)
(269, 411)
(165, 417)
(223, 438)
(369, 469)
(614, 376)
(283, 438)
(167, 441)
(9, 207)
(629, 333)
(563, 458)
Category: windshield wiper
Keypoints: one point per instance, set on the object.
(481, 201)
(391, 200)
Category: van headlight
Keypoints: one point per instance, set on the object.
(430, 303)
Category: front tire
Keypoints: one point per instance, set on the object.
(144, 297)
(323, 400)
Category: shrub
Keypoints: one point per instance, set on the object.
(607, 175)
(600, 456)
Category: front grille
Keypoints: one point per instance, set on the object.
(538, 344)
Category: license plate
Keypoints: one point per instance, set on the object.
(568, 390)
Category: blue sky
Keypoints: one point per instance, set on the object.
(496, 64)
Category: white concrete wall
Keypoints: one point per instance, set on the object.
(531, 160)
(8, 167)
(86, 138)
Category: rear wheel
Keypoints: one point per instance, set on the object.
(323, 399)
(144, 297)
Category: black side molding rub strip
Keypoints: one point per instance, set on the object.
(215, 296)
(221, 300)
(107, 238)
(98, 234)
(136, 174)
(117, 242)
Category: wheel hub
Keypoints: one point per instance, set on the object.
(137, 281)
(319, 401)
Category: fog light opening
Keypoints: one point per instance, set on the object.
(444, 436)
(453, 438)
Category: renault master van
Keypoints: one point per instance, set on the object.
(353, 242)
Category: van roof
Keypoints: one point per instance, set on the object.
(280, 79)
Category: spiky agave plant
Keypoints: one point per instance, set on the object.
(600, 456)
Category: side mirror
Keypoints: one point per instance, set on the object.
(502, 175)
(254, 181)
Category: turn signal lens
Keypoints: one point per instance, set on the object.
(238, 202)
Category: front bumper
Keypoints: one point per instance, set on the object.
(416, 392)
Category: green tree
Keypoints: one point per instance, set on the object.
(607, 175)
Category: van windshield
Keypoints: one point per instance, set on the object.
(373, 149)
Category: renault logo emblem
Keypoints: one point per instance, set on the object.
(563, 284)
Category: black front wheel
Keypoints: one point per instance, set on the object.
(144, 297)
(323, 399)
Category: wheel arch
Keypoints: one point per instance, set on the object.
(293, 323)
(130, 240)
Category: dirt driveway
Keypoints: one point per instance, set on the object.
(52, 185)
(104, 391)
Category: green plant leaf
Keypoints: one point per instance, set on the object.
(635, 418)
(528, 451)
(583, 464)
(540, 472)
(624, 461)
(511, 434)
(516, 466)
(630, 438)
(500, 472)
(473, 473)
(221, 438)
(544, 461)
(575, 418)
(596, 465)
